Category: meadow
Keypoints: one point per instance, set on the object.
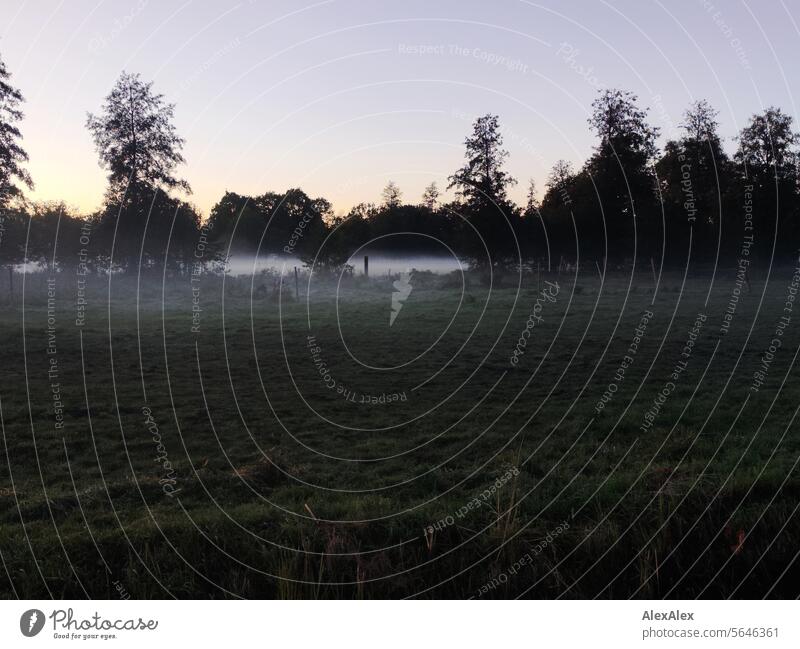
(550, 435)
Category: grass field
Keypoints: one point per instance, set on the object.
(142, 458)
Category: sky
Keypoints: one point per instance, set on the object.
(340, 96)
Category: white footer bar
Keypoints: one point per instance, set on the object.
(378, 625)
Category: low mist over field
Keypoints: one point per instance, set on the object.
(378, 263)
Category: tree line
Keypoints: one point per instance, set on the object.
(629, 200)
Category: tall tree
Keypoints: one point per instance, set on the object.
(768, 161)
(138, 144)
(700, 123)
(556, 207)
(530, 229)
(12, 155)
(136, 139)
(482, 179)
(481, 186)
(430, 197)
(532, 202)
(621, 168)
(622, 128)
(694, 175)
(13, 219)
(391, 195)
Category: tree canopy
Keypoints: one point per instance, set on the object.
(12, 155)
(136, 140)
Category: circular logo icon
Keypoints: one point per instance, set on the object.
(31, 622)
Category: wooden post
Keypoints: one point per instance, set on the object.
(296, 285)
(366, 265)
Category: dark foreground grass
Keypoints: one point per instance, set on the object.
(243, 459)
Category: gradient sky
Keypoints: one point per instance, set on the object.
(332, 96)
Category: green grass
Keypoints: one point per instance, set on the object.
(276, 500)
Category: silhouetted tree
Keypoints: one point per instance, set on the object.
(136, 139)
(695, 177)
(768, 160)
(560, 175)
(621, 169)
(348, 233)
(766, 145)
(170, 240)
(12, 155)
(482, 180)
(481, 186)
(556, 208)
(532, 202)
(273, 223)
(296, 223)
(236, 223)
(139, 146)
(391, 195)
(430, 197)
(531, 230)
(55, 234)
(13, 219)
(13, 237)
